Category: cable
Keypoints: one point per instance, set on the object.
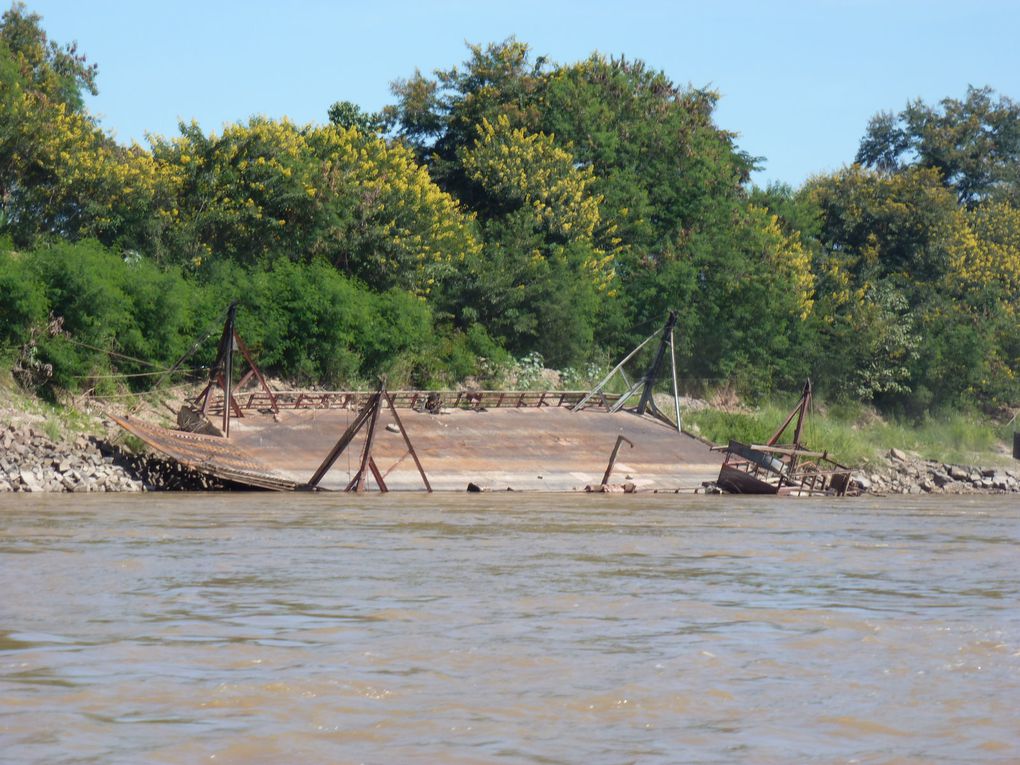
(120, 375)
(112, 353)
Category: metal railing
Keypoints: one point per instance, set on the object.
(420, 400)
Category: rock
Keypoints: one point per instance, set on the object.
(898, 455)
(862, 483)
(610, 488)
(392, 428)
(29, 481)
(958, 473)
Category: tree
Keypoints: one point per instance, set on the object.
(974, 144)
(900, 260)
(59, 73)
(541, 268)
(347, 115)
(658, 172)
(886, 226)
(754, 298)
(59, 172)
(438, 116)
(271, 188)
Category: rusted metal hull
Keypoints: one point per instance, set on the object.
(541, 447)
(736, 481)
(787, 471)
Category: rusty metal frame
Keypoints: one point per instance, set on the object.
(408, 399)
(369, 415)
(358, 483)
(781, 468)
(220, 376)
(646, 384)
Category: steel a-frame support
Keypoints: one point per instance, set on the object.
(367, 417)
(221, 374)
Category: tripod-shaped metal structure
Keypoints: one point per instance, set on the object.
(647, 382)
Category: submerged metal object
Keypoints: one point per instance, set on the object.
(491, 440)
(518, 447)
(790, 470)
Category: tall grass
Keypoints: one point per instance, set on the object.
(857, 436)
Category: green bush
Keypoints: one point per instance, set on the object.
(22, 300)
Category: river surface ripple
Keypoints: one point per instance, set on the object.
(266, 628)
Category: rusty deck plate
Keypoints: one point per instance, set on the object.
(212, 455)
(524, 449)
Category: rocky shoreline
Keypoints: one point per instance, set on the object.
(905, 473)
(30, 461)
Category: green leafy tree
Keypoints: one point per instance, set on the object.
(661, 174)
(59, 73)
(886, 226)
(347, 115)
(974, 143)
(59, 173)
(539, 280)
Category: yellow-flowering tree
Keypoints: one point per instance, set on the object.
(272, 188)
(985, 254)
(59, 172)
(542, 276)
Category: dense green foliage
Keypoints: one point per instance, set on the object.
(510, 205)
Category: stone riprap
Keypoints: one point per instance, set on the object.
(32, 462)
(904, 473)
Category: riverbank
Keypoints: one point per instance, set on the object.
(32, 460)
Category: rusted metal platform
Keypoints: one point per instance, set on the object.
(532, 444)
(213, 455)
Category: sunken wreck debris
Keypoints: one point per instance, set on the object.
(784, 469)
(239, 429)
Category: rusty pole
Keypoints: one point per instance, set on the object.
(407, 441)
(227, 354)
(612, 457)
(358, 482)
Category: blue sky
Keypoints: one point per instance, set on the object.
(798, 79)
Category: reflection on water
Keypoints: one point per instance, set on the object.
(490, 628)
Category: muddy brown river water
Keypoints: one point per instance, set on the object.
(265, 628)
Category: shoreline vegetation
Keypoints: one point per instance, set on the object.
(506, 215)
